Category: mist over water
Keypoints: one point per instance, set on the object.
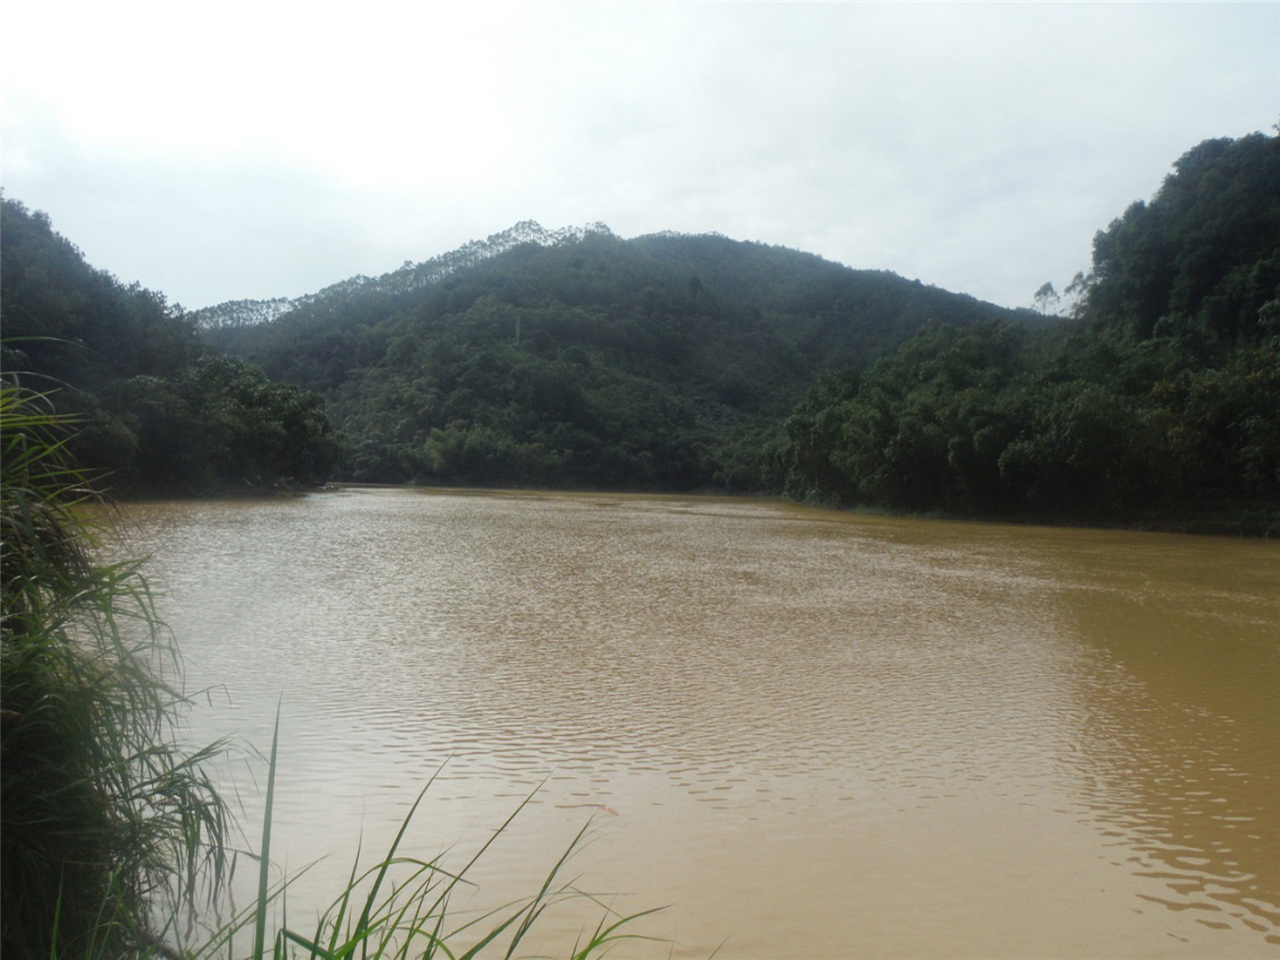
(809, 733)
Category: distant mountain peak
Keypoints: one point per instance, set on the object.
(410, 276)
(531, 231)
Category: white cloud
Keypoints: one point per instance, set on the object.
(255, 149)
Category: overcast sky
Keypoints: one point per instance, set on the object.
(230, 150)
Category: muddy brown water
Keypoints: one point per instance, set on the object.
(805, 733)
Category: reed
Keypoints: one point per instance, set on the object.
(400, 907)
(102, 816)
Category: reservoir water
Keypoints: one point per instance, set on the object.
(805, 733)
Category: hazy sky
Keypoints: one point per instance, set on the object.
(221, 151)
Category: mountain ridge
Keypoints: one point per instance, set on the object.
(576, 357)
(413, 275)
(408, 277)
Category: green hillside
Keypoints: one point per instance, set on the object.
(158, 412)
(582, 359)
(1159, 403)
(579, 359)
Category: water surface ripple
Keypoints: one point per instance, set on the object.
(812, 734)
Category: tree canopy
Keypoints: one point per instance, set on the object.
(583, 359)
(1159, 402)
(159, 412)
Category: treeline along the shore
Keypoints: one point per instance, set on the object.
(1150, 394)
(1157, 401)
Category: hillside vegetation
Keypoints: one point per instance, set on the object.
(1159, 402)
(672, 362)
(584, 360)
(158, 412)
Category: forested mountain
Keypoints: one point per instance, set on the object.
(581, 359)
(578, 359)
(1159, 402)
(157, 410)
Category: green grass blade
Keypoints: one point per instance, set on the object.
(264, 867)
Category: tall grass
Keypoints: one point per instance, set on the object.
(110, 832)
(400, 907)
(102, 816)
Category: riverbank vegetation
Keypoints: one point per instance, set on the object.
(103, 816)
(1145, 395)
(114, 841)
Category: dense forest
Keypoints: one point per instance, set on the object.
(676, 362)
(1157, 402)
(159, 412)
(582, 360)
